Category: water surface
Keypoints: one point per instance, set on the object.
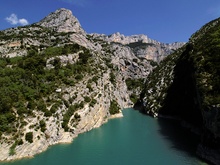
(135, 139)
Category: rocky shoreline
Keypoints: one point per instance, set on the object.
(29, 150)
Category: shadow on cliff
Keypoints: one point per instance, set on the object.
(182, 101)
(179, 138)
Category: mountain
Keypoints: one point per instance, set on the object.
(62, 20)
(142, 46)
(185, 86)
(57, 81)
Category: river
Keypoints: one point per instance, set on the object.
(135, 139)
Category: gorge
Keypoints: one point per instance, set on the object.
(58, 81)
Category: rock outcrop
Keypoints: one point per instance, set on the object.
(62, 20)
(120, 38)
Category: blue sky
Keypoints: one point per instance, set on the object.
(164, 20)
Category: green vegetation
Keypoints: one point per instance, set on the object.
(134, 83)
(29, 137)
(112, 78)
(114, 107)
(93, 102)
(206, 59)
(87, 99)
(12, 149)
(42, 125)
(27, 83)
(134, 98)
(139, 44)
(153, 63)
(71, 110)
(186, 83)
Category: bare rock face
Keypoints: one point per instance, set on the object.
(62, 20)
(156, 52)
(128, 63)
(120, 38)
(142, 45)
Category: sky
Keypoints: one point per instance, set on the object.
(163, 20)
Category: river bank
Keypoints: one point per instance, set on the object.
(29, 150)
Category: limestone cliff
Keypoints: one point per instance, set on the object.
(142, 45)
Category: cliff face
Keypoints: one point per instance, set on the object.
(142, 45)
(186, 86)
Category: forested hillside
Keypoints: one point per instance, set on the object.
(186, 86)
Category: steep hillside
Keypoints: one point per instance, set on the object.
(186, 86)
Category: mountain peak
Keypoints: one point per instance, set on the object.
(62, 20)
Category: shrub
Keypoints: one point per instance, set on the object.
(54, 107)
(20, 142)
(29, 137)
(47, 113)
(114, 108)
(87, 99)
(135, 60)
(93, 102)
(42, 125)
(66, 103)
(112, 77)
(12, 149)
(133, 98)
(89, 87)
(95, 79)
(134, 83)
(79, 77)
(77, 116)
(41, 106)
(31, 104)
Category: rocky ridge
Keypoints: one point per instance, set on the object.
(62, 20)
(142, 45)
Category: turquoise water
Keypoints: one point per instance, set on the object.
(135, 139)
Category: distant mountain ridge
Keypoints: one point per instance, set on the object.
(120, 38)
(142, 45)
